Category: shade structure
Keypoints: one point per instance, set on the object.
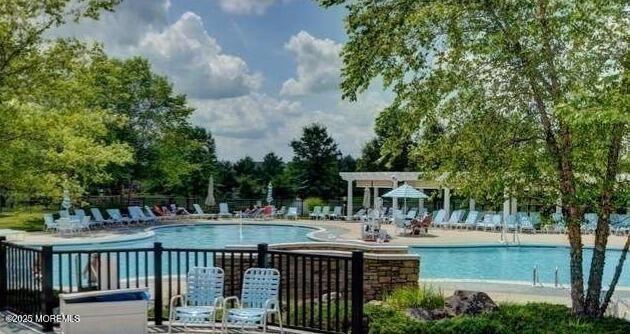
(210, 201)
(269, 193)
(366, 197)
(406, 191)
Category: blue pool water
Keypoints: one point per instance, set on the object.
(209, 236)
(507, 263)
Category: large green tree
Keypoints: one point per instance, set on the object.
(530, 95)
(316, 162)
(50, 134)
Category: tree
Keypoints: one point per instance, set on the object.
(271, 167)
(347, 164)
(530, 95)
(316, 162)
(248, 183)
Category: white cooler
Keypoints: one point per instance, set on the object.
(105, 312)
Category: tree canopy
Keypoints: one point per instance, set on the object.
(528, 96)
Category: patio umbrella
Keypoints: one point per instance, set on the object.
(366, 197)
(210, 197)
(405, 191)
(66, 203)
(269, 193)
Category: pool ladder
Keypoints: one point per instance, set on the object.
(536, 278)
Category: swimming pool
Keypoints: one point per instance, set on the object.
(207, 236)
(507, 263)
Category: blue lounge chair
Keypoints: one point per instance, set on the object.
(259, 299)
(471, 219)
(558, 225)
(49, 223)
(316, 212)
(203, 297)
(590, 222)
(224, 211)
(292, 213)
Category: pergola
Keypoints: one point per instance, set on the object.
(390, 180)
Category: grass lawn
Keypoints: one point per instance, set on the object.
(27, 219)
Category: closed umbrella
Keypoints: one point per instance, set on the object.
(210, 197)
(366, 197)
(269, 193)
(406, 191)
(66, 203)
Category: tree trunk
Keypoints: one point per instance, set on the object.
(615, 279)
(603, 227)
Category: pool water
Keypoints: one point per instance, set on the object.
(209, 236)
(508, 263)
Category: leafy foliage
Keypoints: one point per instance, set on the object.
(415, 297)
(509, 318)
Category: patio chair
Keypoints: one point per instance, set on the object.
(97, 217)
(292, 213)
(137, 215)
(149, 213)
(202, 299)
(453, 221)
(620, 223)
(411, 214)
(438, 218)
(316, 212)
(490, 222)
(511, 222)
(259, 299)
(525, 224)
(400, 222)
(49, 223)
(336, 214)
(117, 217)
(198, 210)
(64, 214)
(590, 222)
(224, 211)
(558, 225)
(357, 215)
(281, 212)
(84, 224)
(325, 212)
(79, 214)
(65, 225)
(471, 219)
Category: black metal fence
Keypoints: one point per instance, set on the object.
(318, 292)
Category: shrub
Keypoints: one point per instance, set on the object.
(509, 318)
(415, 297)
(312, 202)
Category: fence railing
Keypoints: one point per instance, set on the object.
(319, 292)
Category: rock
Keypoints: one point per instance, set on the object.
(419, 314)
(469, 302)
(440, 313)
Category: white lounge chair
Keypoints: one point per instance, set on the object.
(224, 211)
(149, 213)
(317, 211)
(336, 214)
(292, 213)
(259, 300)
(137, 215)
(439, 218)
(455, 220)
(325, 212)
(202, 300)
(558, 225)
(49, 223)
(471, 220)
(117, 217)
(198, 209)
(64, 214)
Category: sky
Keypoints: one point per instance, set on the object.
(256, 71)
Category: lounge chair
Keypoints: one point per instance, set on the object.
(149, 213)
(411, 214)
(525, 224)
(358, 214)
(259, 299)
(65, 225)
(336, 214)
(511, 222)
(400, 222)
(439, 218)
(292, 213)
(202, 299)
(49, 223)
(117, 217)
(79, 214)
(137, 214)
(281, 212)
(590, 222)
(97, 217)
(325, 212)
(198, 210)
(491, 221)
(64, 214)
(620, 224)
(224, 211)
(316, 212)
(558, 225)
(456, 216)
(471, 220)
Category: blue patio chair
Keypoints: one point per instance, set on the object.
(202, 299)
(511, 222)
(317, 211)
(590, 220)
(259, 299)
(558, 222)
(49, 222)
(292, 213)
(471, 219)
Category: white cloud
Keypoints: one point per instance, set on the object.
(245, 7)
(318, 65)
(183, 51)
(195, 62)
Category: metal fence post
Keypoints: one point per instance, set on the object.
(262, 255)
(3, 273)
(357, 293)
(157, 282)
(47, 286)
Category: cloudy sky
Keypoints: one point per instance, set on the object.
(256, 71)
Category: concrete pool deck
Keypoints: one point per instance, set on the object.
(334, 231)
